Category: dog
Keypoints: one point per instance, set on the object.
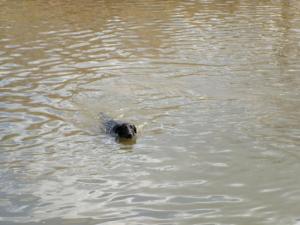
(119, 129)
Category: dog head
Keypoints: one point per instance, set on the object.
(126, 130)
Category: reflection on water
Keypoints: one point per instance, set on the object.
(213, 87)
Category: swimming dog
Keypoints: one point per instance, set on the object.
(118, 129)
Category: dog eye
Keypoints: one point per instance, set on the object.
(133, 128)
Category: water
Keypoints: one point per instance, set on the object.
(213, 87)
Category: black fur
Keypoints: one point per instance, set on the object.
(119, 129)
(125, 130)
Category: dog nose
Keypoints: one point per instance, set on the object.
(129, 136)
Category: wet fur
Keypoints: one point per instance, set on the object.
(119, 129)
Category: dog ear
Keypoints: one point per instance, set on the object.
(116, 129)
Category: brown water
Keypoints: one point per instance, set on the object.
(213, 87)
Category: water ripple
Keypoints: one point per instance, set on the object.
(212, 87)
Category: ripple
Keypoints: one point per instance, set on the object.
(208, 199)
(212, 87)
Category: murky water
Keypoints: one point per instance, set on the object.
(213, 87)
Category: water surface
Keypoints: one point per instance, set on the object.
(213, 87)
